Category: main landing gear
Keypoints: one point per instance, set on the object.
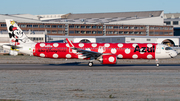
(90, 64)
(157, 63)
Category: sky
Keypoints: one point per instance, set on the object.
(41, 7)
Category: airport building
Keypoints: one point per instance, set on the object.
(41, 28)
(173, 19)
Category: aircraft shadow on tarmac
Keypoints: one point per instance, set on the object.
(101, 65)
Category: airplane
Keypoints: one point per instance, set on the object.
(106, 53)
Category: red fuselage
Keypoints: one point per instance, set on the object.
(121, 50)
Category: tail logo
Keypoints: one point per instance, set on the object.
(12, 22)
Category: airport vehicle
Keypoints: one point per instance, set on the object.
(106, 53)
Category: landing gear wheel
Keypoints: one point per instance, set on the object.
(157, 64)
(90, 64)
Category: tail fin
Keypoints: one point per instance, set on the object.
(16, 35)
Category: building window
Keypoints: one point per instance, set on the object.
(131, 27)
(54, 32)
(151, 27)
(83, 27)
(71, 26)
(48, 31)
(167, 22)
(115, 27)
(99, 27)
(141, 32)
(77, 32)
(23, 26)
(151, 33)
(175, 23)
(29, 26)
(126, 32)
(88, 27)
(120, 27)
(131, 32)
(132, 39)
(161, 28)
(120, 32)
(141, 27)
(166, 33)
(148, 39)
(136, 27)
(72, 32)
(60, 32)
(109, 27)
(156, 28)
(77, 26)
(41, 26)
(53, 26)
(136, 32)
(93, 26)
(3, 25)
(166, 28)
(115, 32)
(126, 27)
(88, 32)
(93, 32)
(48, 26)
(109, 32)
(35, 26)
(170, 28)
(83, 32)
(60, 26)
(99, 32)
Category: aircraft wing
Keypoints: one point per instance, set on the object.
(86, 53)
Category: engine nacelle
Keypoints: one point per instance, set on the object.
(109, 59)
(14, 53)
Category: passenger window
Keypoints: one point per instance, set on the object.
(168, 48)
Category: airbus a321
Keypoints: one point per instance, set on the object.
(106, 53)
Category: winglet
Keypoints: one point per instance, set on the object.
(70, 43)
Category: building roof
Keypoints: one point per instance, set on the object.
(116, 14)
(171, 15)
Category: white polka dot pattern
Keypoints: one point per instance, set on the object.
(42, 55)
(135, 56)
(120, 45)
(55, 55)
(68, 56)
(93, 45)
(107, 45)
(81, 45)
(113, 50)
(120, 56)
(111, 59)
(127, 50)
(149, 56)
(55, 44)
(42, 44)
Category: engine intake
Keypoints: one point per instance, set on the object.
(109, 59)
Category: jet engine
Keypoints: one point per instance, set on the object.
(108, 59)
(14, 53)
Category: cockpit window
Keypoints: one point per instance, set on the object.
(168, 48)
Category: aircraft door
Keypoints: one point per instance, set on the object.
(158, 49)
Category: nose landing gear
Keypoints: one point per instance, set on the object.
(157, 63)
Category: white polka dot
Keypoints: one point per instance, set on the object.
(120, 56)
(55, 44)
(113, 50)
(67, 45)
(55, 55)
(135, 56)
(81, 45)
(74, 51)
(127, 50)
(120, 45)
(134, 45)
(111, 59)
(42, 55)
(88, 49)
(42, 44)
(93, 45)
(149, 56)
(107, 45)
(149, 45)
(100, 50)
(68, 56)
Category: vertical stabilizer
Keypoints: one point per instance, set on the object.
(16, 35)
